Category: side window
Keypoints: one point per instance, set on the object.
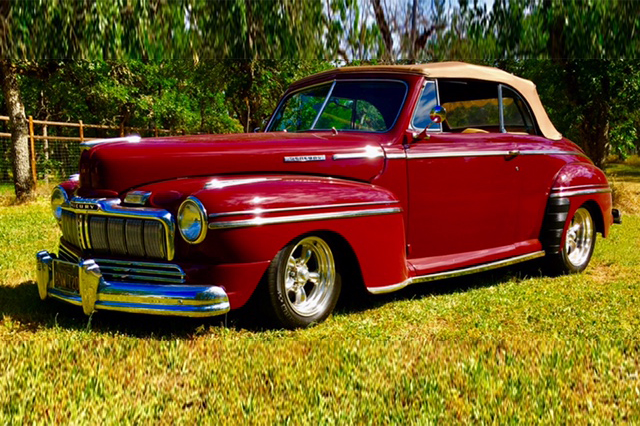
(474, 106)
(427, 101)
(517, 117)
(470, 105)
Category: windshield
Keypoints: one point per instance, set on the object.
(366, 106)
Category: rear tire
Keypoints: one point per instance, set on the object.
(303, 283)
(579, 241)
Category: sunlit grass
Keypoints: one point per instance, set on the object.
(511, 346)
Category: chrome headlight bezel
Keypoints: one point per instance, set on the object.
(198, 214)
(59, 198)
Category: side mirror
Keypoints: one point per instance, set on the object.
(437, 115)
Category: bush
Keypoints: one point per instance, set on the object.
(633, 160)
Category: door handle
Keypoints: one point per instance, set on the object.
(513, 153)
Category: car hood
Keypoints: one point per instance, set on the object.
(121, 166)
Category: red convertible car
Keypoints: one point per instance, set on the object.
(382, 176)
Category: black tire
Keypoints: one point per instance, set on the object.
(579, 238)
(303, 283)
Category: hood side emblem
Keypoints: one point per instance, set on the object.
(304, 158)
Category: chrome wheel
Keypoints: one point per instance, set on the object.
(303, 283)
(579, 239)
(309, 277)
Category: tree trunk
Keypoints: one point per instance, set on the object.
(22, 179)
(594, 133)
(383, 25)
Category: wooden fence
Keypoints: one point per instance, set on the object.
(123, 130)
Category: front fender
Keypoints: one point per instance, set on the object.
(252, 218)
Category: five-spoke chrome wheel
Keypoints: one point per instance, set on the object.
(309, 276)
(579, 242)
(303, 282)
(579, 239)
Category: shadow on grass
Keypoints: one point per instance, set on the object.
(21, 303)
(444, 287)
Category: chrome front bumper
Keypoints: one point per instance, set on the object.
(95, 293)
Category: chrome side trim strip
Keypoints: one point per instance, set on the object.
(258, 221)
(573, 187)
(370, 152)
(552, 152)
(560, 194)
(396, 156)
(258, 211)
(457, 272)
(450, 154)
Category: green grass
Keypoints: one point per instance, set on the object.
(505, 347)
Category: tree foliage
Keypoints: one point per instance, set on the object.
(220, 66)
(580, 53)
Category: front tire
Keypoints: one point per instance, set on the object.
(579, 241)
(303, 283)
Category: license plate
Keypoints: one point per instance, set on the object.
(66, 276)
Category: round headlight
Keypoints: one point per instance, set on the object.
(192, 220)
(58, 199)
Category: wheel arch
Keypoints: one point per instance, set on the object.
(596, 214)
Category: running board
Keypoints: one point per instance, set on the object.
(456, 272)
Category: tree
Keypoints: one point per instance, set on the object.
(37, 32)
(582, 43)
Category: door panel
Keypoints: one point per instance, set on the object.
(463, 198)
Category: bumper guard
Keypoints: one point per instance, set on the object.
(95, 293)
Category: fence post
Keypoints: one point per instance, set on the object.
(45, 148)
(81, 132)
(122, 129)
(156, 131)
(32, 148)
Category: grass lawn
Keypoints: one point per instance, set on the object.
(509, 346)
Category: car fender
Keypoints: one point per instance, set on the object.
(575, 185)
(251, 218)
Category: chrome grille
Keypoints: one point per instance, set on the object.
(131, 272)
(115, 235)
(140, 272)
(70, 227)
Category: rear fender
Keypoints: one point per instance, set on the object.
(582, 184)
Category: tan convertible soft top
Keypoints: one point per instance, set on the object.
(460, 70)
